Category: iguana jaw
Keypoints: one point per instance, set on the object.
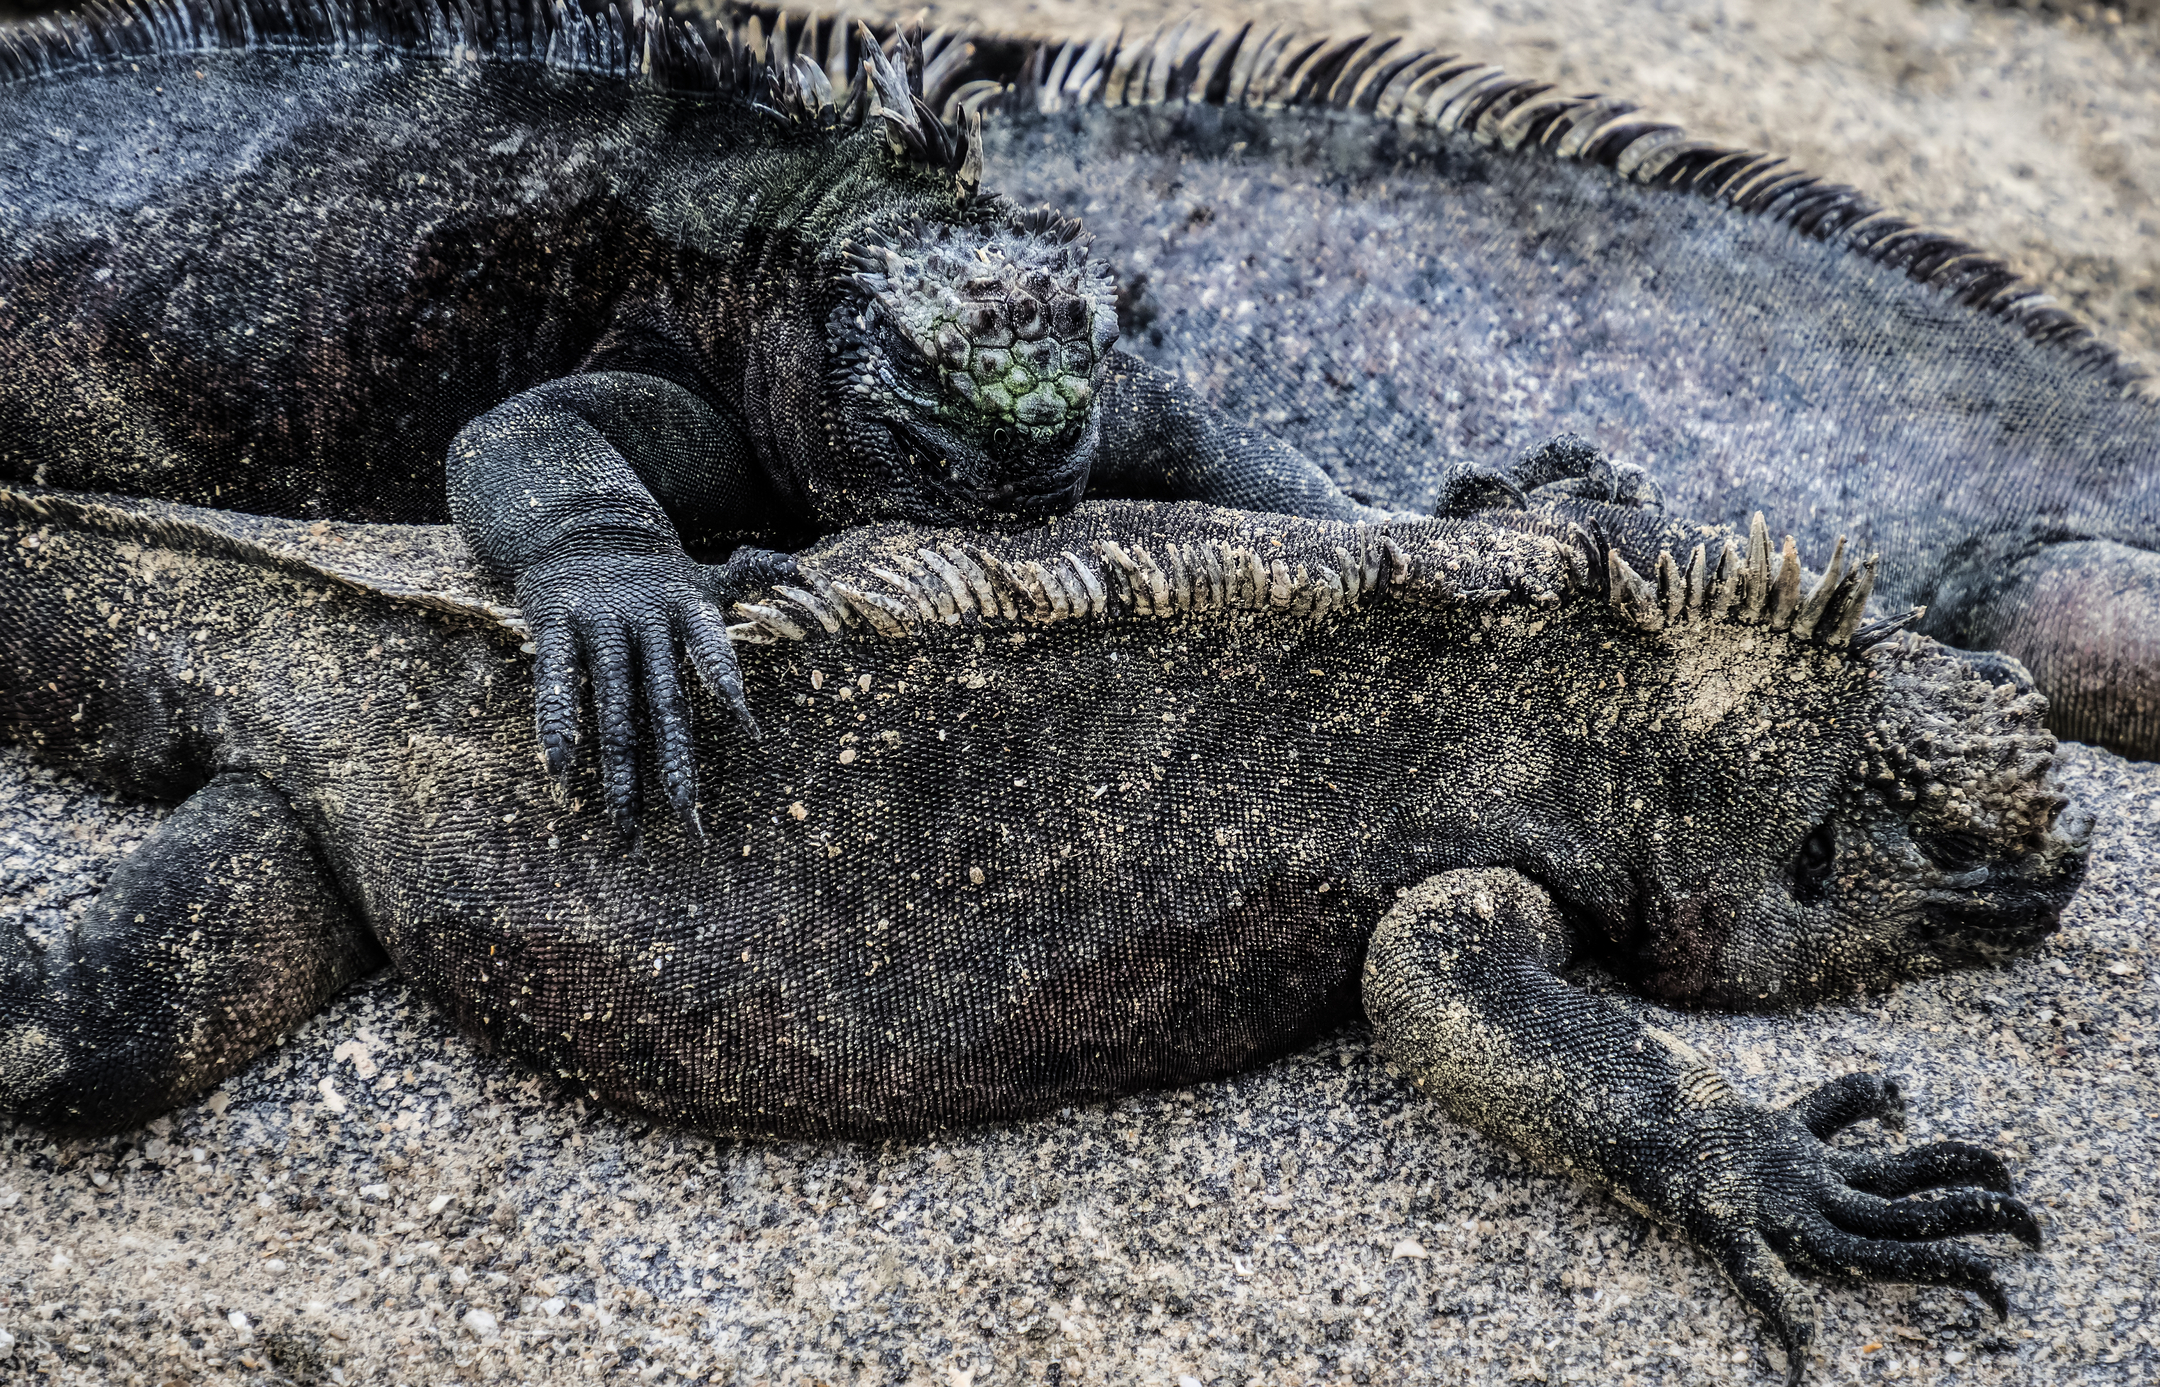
(970, 482)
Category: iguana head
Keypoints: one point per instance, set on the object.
(1830, 805)
(970, 363)
(1944, 843)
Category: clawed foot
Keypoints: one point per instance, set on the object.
(1769, 1197)
(623, 621)
(1565, 468)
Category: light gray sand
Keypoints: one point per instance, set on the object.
(1307, 1223)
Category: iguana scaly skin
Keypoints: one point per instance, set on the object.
(1408, 264)
(1144, 796)
(589, 287)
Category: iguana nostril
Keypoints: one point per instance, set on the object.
(1041, 407)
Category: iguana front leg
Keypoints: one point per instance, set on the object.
(1161, 440)
(1460, 985)
(566, 491)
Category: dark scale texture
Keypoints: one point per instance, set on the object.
(586, 286)
(1104, 806)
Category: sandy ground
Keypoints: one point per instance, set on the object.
(377, 1202)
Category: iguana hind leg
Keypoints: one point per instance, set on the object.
(1566, 473)
(2084, 617)
(1460, 983)
(218, 935)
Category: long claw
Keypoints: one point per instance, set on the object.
(1934, 1166)
(705, 636)
(555, 673)
(1853, 1098)
(675, 750)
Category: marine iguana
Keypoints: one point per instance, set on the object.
(1410, 263)
(587, 285)
(1145, 795)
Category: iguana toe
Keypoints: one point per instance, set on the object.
(706, 641)
(606, 651)
(1854, 1098)
(1763, 1282)
(555, 680)
(1934, 1166)
(1954, 1215)
(675, 748)
(1814, 1242)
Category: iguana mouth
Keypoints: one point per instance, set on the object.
(931, 457)
(2004, 913)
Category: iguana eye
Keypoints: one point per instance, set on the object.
(1811, 865)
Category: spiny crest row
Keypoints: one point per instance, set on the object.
(1757, 588)
(853, 77)
(1452, 93)
(952, 582)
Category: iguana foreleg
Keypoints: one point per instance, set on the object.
(1460, 985)
(565, 491)
(1161, 440)
(217, 936)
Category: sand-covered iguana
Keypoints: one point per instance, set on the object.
(278, 257)
(1147, 795)
(590, 287)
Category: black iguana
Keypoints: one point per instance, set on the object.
(1408, 263)
(586, 285)
(1144, 796)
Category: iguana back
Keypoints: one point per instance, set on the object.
(1407, 263)
(280, 276)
